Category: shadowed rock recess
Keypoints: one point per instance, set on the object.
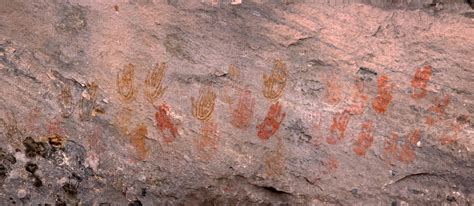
(220, 102)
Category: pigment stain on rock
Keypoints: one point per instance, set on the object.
(333, 91)
(272, 121)
(438, 109)
(359, 100)
(338, 127)
(234, 73)
(317, 129)
(66, 102)
(123, 120)
(407, 152)
(275, 161)
(365, 139)
(420, 81)
(165, 124)
(384, 94)
(208, 142)
(137, 139)
(227, 94)
(330, 165)
(33, 118)
(242, 113)
(450, 135)
(390, 148)
(440, 105)
(95, 147)
(55, 126)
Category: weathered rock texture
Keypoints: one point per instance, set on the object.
(263, 102)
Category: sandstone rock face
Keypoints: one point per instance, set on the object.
(146, 102)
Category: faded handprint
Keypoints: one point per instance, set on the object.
(66, 102)
(338, 127)
(365, 139)
(384, 94)
(420, 81)
(243, 112)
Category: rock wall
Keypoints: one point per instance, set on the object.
(146, 102)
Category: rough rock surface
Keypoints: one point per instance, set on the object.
(148, 102)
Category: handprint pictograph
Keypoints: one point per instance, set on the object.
(154, 83)
(274, 84)
(125, 85)
(384, 94)
(272, 121)
(365, 139)
(420, 81)
(242, 113)
(338, 127)
(204, 105)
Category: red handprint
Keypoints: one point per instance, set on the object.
(272, 122)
